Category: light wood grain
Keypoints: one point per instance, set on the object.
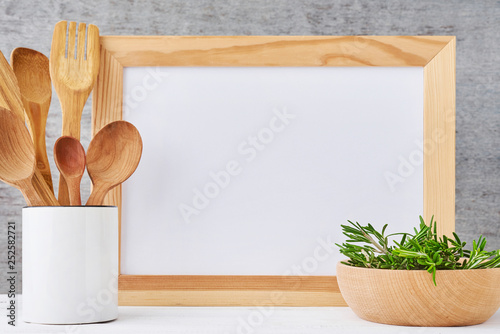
(126, 51)
(228, 298)
(74, 74)
(410, 298)
(112, 157)
(43, 189)
(231, 282)
(107, 99)
(17, 156)
(439, 137)
(273, 50)
(229, 290)
(32, 71)
(10, 98)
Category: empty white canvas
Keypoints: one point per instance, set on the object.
(251, 171)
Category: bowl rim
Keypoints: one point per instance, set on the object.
(412, 270)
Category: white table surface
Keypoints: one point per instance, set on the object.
(233, 320)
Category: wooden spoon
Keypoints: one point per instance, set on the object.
(73, 74)
(69, 156)
(17, 156)
(112, 157)
(32, 71)
(10, 98)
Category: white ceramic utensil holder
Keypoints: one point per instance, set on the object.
(70, 264)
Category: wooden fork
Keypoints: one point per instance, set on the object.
(73, 74)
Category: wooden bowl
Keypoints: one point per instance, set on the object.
(409, 297)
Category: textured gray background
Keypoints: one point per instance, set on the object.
(475, 23)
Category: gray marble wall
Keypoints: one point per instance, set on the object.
(475, 23)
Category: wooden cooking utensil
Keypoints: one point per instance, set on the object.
(17, 156)
(10, 98)
(32, 71)
(69, 156)
(112, 157)
(73, 74)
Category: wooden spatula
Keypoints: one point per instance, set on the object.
(10, 98)
(32, 71)
(74, 66)
(17, 156)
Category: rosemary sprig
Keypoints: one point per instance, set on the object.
(423, 250)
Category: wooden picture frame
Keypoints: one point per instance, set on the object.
(436, 54)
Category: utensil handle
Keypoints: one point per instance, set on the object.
(97, 196)
(74, 191)
(42, 163)
(63, 194)
(31, 195)
(43, 190)
(72, 107)
(36, 124)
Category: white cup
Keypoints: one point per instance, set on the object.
(70, 264)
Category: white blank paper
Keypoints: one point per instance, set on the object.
(305, 149)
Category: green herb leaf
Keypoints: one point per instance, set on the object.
(423, 250)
